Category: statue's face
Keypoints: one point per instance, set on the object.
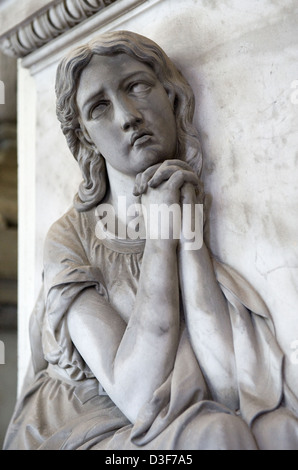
(127, 113)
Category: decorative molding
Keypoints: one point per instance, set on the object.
(51, 23)
(108, 19)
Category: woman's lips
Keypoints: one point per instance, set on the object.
(142, 140)
(140, 137)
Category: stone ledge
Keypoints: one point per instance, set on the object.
(47, 24)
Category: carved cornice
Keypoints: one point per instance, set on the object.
(49, 24)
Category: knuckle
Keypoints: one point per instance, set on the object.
(176, 179)
(180, 175)
(138, 178)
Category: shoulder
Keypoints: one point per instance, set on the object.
(71, 225)
(68, 236)
(71, 220)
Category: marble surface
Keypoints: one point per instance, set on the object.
(240, 58)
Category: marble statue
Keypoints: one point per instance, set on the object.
(137, 341)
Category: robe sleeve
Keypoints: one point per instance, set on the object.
(67, 272)
(259, 359)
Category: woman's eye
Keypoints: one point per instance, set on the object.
(140, 87)
(99, 109)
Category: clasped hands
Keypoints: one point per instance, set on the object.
(172, 182)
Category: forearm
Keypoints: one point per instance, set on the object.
(208, 322)
(131, 361)
(150, 341)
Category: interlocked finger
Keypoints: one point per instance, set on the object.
(181, 163)
(188, 194)
(142, 179)
(165, 172)
(180, 177)
(157, 174)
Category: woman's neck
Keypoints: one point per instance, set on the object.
(121, 197)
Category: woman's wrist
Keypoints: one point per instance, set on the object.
(162, 246)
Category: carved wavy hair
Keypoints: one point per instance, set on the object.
(93, 187)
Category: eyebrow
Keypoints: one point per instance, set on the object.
(91, 99)
(100, 93)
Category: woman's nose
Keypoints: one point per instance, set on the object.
(129, 116)
(131, 122)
